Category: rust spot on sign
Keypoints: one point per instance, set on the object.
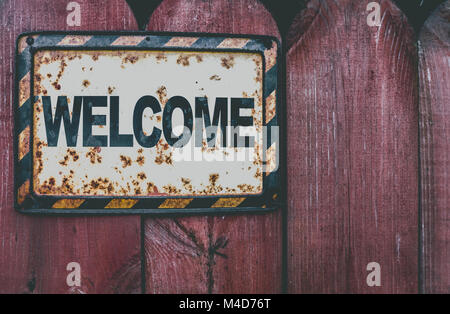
(130, 58)
(171, 189)
(187, 184)
(183, 60)
(151, 188)
(161, 57)
(73, 154)
(93, 155)
(215, 77)
(64, 161)
(246, 188)
(228, 62)
(101, 186)
(162, 95)
(163, 153)
(126, 161)
(142, 176)
(140, 160)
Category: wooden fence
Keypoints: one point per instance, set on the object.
(367, 109)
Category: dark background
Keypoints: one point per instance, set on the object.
(285, 10)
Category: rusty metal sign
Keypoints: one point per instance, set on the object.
(146, 123)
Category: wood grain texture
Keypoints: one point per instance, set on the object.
(434, 106)
(352, 150)
(238, 254)
(34, 251)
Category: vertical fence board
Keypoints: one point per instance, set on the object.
(434, 75)
(214, 254)
(352, 150)
(34, 251)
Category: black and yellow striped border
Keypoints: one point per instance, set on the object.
(27, 202)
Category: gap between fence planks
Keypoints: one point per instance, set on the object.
(434, 76)
(352, 150)
(232, 254)
(34, 251)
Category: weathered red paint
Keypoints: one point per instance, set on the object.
(214, 254)
(352, 165)
(434, 108)
(34, 251)
(352, 150)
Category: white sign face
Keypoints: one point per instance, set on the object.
(147, 123)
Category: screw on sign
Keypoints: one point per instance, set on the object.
(36, 250)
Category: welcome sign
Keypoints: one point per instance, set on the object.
(146, 123)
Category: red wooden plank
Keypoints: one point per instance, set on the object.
(352, 150)
(176, 255)
(434, 75)
(214, 254)
(34, 251)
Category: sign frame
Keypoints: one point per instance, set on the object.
(27, 202)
